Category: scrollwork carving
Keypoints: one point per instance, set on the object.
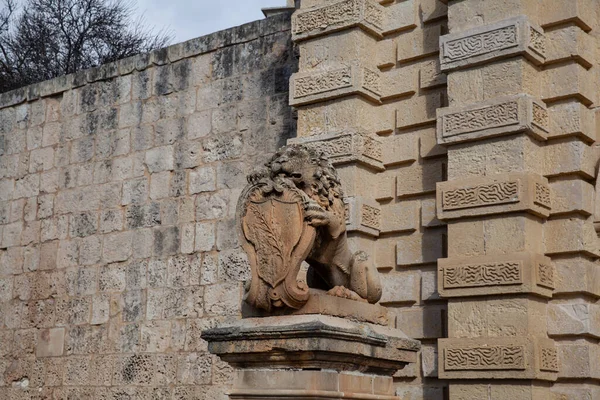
(482, 43)
(489, 274)
(485, 358)
(482, 195)
(484, 118)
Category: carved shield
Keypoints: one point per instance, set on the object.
(274, 228)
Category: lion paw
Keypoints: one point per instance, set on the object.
(345, 293)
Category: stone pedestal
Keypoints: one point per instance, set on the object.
(311, 357)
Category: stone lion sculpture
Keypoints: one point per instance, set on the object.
(292, 211)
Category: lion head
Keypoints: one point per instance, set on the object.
(309, 170)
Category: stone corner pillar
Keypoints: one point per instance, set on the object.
(519, 131)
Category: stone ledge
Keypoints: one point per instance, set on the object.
(509, 38)
(321, 303)
(310, 385)
(191, 48)
(496, 275)
(312, 342)
(498, 117)
(497, 194)
(498, 358)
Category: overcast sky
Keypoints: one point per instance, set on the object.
(192, 18)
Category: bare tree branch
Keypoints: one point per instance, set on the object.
(49, 38)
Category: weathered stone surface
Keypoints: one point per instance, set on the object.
(386, 352)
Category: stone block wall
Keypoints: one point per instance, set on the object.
(118, 189)
(367, 91)
(465, 133)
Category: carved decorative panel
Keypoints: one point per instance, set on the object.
(542, 196)
(485, 358)
(347, 147)
(485, 274)
(545, 275)
(371, 217)
(479, 44)
(541, 117)
(549, 360)
(474, 120)
(494, 194)
(522, 272)
(323, 85)
(322, 82)
(363, 215)
(537, 41)
(498, 117)
(507, 38)
(515, 357)
(344, 14)
(482, 195)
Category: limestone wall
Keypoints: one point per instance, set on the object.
(118, 188)
(367, 92)
(465, 133)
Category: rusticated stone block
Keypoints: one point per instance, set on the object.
(497, 117)
(570, 43)
(579, 359)
(496, 275)
(419, 110)
(386, 54)
(572, 196)
(571, 235)
(572, 119)
(431, 75)
(344, 14)
(417, 179)
(432, 10)
(363, 215)
(583, 13)
(498, 358)
(508, 38)
(347, 147)
(401, 216)
(569, 156)
(400, 149)
(574, 319)
(322, 85)
(399, 82)
(400, 287)
(502, 193)
(420, 43)
(577, 274)
(421, 323)
(420, 248)
(570, 80)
